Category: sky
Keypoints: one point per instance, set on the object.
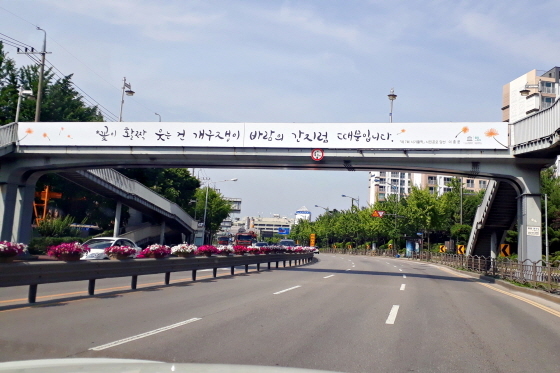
(291, 61)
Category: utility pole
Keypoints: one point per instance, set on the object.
(41, 73)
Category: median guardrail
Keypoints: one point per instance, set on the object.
(36, 273)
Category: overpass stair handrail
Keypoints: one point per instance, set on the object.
(482, 214)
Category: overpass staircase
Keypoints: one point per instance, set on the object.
(495, 215)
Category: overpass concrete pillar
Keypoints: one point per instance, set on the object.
(529, 227)
(23, 214)
(9, 193)
(529, 220)
(117, 226)
(162, 233)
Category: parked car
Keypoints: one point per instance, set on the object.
(261, 244)
(315, 250)
(99, 244)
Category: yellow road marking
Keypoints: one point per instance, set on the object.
(523, 299)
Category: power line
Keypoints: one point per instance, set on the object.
(17, 41)
(15, 15)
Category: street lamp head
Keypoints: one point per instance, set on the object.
(392, 96)
(344, 195)
(129, 92)
(27, 92)
(234, 179)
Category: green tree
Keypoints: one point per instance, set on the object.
(217, 209)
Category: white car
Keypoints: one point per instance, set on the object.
(98, 245)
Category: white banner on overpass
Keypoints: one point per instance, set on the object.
(486, 135)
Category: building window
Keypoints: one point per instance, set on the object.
(403, 182)
(394, 174)
(446, 180)
(381, 196)
(395, 181)
(403, 175)
(432, 180)
(445, 190)
(482, 184)
(382, 173)
(382, 181)
(470, 183)
(382, 188)
(432, 190)
(409, 190)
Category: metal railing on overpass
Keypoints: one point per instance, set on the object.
(538, 131)
(8, 137)
(34, 273)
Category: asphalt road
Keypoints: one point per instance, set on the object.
(342, 313)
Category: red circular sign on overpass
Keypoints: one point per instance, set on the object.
(317, 154)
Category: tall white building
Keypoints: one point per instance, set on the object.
(303, 214)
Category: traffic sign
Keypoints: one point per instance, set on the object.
(505, 250)
(312, 239)
(377, 214)
(442, 248)
(461, 249)
(317, 154)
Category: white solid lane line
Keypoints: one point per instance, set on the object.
(403, 286)
(143, 335)
(328, 276)
(349, 269)
(392, 315)
(283, 291)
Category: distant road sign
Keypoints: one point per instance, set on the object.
(377, 214)
(442, 248)
(312, 239)
(461, 249)
(505, 250)
(317, 154)
(283, 230)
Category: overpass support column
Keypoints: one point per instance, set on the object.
(7, 210)
(162, 233)
(117, 227)
(529, 227)
(23, 214)
(494, 245)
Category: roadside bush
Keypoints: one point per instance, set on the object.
(57, 227)
(40, 245)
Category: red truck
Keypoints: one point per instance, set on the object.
(245, 238)
(223, 240)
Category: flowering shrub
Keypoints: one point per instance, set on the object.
(266, 250)
(255, 250)
(156, 251)
(183, 249)
(207, 250)
(225, 249)
(11, 248)
(72, 248)
(239, 249)
(120, 250)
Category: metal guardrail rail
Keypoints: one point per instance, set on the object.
(482, 214)
(34, 273)
(538, 131)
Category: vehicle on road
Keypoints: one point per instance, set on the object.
(314, 250)
(223, 240)
(290, 243)
(99, 244)
(261, 244)
(245, 238)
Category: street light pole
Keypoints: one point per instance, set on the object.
(129, 92)
(41, 73)
(158, 116)
(353, 199)
(392, 97)
(21, 93)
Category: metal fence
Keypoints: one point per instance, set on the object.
(540, 275)
(8, 134)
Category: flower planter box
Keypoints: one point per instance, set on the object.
(119, 257)
(69, 257)
(7, 259)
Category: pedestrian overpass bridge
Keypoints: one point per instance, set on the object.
(512, 154)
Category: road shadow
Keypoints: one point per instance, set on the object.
(306, 268)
